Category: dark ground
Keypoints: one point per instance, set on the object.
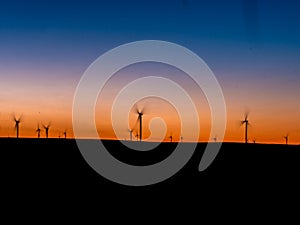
(45, 172)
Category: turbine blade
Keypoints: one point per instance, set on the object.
(246, 114)
(145, 109)
(136, 109)
(142, 110)
(136, 123)
(14, 117)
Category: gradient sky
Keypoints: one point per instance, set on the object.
(253, 48)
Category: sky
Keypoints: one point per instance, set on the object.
(252, 47)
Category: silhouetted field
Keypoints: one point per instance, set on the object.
(53, 170)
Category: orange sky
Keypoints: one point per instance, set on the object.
(273, 110)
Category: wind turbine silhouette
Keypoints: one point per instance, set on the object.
(130, 133)
(171, 138)
(140, 120)
(246, 122)
(286, 137)
(38, 130)
(137, 136)
(17, 124)
(47, 129)
(65, 134)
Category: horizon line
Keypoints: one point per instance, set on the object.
(174, 142)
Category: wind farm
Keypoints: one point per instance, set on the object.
(175, 75)
(244, 157)
(136, 132)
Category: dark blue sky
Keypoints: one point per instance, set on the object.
(58, 30)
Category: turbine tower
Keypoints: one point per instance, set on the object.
(38, 130)
(140, 113)
(130, 133)
(65, 134)
(17, 125)
(137, 137)
(47, 129)
(286, 137)
(246, 122)
(141, 119)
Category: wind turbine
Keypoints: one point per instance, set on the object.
(65, 134)
(17, 124)
(246, 122)
(140, 119)
(38, 130)
(130, 132)
(171, 138)
(137, 137)
(286, 137)
(47, 129)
